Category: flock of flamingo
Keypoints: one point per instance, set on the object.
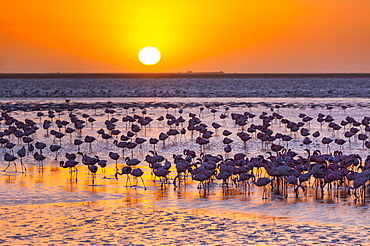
(208, 160)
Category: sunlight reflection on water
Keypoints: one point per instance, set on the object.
(55, 185)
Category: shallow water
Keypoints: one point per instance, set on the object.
(227, 85)
(111, 224)
(55, 188)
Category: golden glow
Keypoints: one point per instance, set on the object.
(149, 56)
(233, 36)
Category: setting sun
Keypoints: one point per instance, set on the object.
(276, 36)
(149, 56)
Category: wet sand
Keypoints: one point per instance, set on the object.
(103, 224)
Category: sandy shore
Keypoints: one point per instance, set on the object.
(119, 224)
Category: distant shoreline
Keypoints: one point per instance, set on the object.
(183, 75)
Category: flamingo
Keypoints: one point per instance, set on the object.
(163, 137)
(39, 158)
(161, 172)
(307, 141)
(31, 148)
(125, 170)
(22, 153)
(245, 177)
(27, 140)
(131, 146)
(227, 148)
(140, 141)
(69, 131)
(202, 142)
(69, 164)
(91, 120)
(71, 156)
(349, 134)
(262, 182)
(201, 178)
(10, 146)
(40, 146)
(244, 137)
(78, 142)
(102, 164)
(340, 141)
(59, 135)
(316, 134)
(327, 141)
(223, 175)
(358, 182)
(227, 140)
(89, 140)
(216, 126)
(93, 169)
(10, 158)
(286, 138)
(181, 167)
(153, 141)
(138, 173)
(183, 132)
(304, 177)
(40, 114)
(363, 138)
(55, 148)
(114, 156)
(294, 181)
(367, 144)
(121, 145)
(88, 160)
(132, 162)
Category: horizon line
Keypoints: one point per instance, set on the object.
(175, 74)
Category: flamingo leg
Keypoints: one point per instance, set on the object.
(128, 180)
(143, 182)
(15, 166)
(25, 169)
(70, 174)
(7, 166)
(76, 173)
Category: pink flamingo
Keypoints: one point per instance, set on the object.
(202, 142)
(163, 137)
(78, 142)
(114, 156)
(121, 145)
(138, 173)
(363, 138)
(201, 178)
(22, 153)
(69, 164)
(10, 158)
(125, 170)
(89, 140)
(161, 172)
(262, 182)
(40, 146)
(93, 169)
(39, 158)
(55, 148)
(327, 141)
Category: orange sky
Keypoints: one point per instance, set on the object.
(266, 36)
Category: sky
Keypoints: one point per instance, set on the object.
(249, 36)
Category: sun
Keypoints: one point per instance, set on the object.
(149, 56)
